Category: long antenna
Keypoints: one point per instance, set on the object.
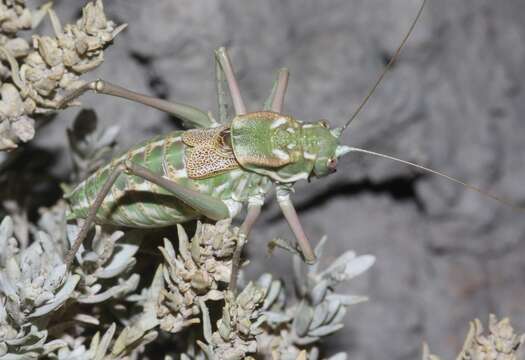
(448, 177)
(393, 59)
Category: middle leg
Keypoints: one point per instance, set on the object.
(275, 101)
(224, 61)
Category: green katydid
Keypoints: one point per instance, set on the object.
(213, 170)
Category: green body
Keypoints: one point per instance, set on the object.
(267, 147)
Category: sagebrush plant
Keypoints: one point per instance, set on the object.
(34, 73)
(106, 306)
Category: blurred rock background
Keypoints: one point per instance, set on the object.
(453, 102)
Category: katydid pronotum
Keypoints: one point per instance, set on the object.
(213, 170)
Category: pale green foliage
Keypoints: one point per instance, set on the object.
(34, 77)
(195, 273)
(38, 294)
(35, 288)
(318, 311)
(501, 342)
(260, 318)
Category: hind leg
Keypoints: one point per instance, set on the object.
(186, 113)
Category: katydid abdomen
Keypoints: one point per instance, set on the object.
(135, 202)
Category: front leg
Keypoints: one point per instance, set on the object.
(283, 198)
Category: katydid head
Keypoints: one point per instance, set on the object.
(321, 144)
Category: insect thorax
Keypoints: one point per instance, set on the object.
(208, 152)
(278, 146)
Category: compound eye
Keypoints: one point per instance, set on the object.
(324, 123)
(332, 164)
